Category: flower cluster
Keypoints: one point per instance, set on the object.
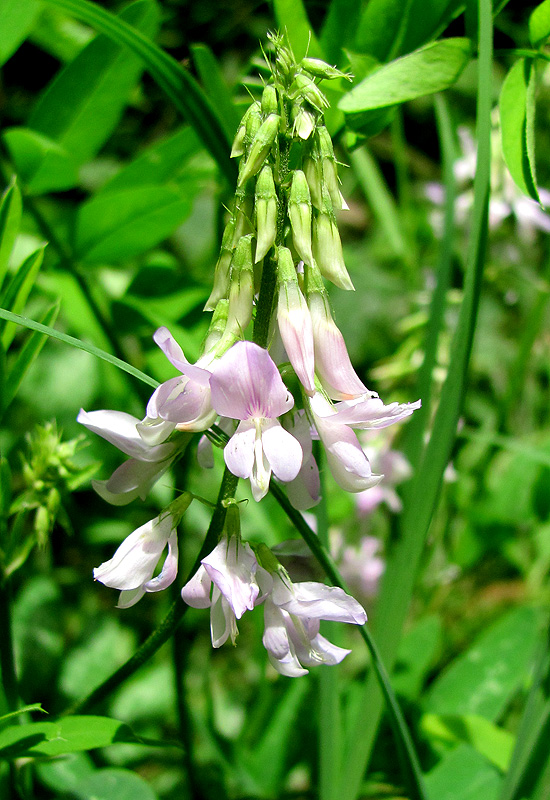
(293, 384)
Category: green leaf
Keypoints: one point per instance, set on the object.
(428, 70)
(463, 775)
(417, 653)
(485, 737)
(26, 357)
(539, 24)
(180, 87)
(484, 678)
(114, 226)
(339, 28)
(114, 782)
(517, 122)
(10, 218)
(68, 735)
(158, 163)
(84, 102)
(59, 35)
(17, 291)
(42, 164)
(382, 27)
(292, 18)
(216, 87)
(65, 774)
(17, 18)
(80, 345)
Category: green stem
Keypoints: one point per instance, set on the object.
(410, 763)
(174, 617)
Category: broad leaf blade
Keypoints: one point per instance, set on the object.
(116, 225)
(42, 164)
(83, 104)
(428, 70)
(292, 18)
(382, 27)
(495, 743)
(462, 774)
(180, 87)
(483, 680)
(517, 120)
(69, 735)
(539, 24)
(16, 21)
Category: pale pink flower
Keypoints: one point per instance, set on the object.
(226, 582)
(292, 614)
(246, 386)
(132, 566)
(148, 462)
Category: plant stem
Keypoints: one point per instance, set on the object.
(174, 617)
(409, 759)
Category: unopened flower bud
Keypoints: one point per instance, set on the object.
(329, 169)
(299, 211)
(260, 147)
(303, 122)
(320, 69)
(266, 212)
(332, 362)
(221, 274)
(302, 86)
(241, 292)
(314, 176)
(270, 101)
(294, 321)
(327, 250)
(248, 127)
(217, 326)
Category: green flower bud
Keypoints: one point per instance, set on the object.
(327, 250)
(314, 176)
(266, 207)
(303, 86)
(320, 69)
(217, 326)
(299, 211)
(221, 274)
(329, 169)
(248, 126)
(270, 101)
(241, 292)
(260, 148)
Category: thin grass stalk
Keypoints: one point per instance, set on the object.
(398, 583)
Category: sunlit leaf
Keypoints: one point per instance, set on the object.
(517, 123)
(116, 225)
(17, 18)
(539, 24)
(428, 70)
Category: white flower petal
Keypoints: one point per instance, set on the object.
(196, 592)
(129, 597)
(135, 560)
(120, 429)
(223, 624)
(169, 571)
(232, 567)
(282, 450)
(239, 451)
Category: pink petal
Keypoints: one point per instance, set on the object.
(232, 566)
(174, 354)
(318, 601)
(370, 412)
(222, 620)
(246, 384)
